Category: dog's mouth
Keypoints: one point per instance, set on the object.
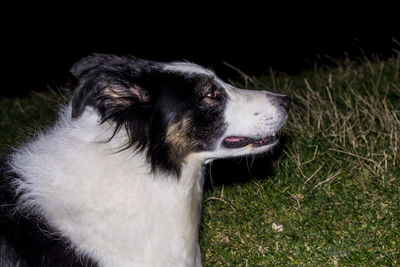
(242, 141)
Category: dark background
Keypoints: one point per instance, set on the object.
(38, 51)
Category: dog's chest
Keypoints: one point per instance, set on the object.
(117, 213)
(142, 222)
(110, 205)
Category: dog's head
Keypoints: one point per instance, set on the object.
(172, 110)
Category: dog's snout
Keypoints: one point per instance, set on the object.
(285, 103)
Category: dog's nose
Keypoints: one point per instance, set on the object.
(285, 103)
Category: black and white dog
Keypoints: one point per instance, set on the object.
(117, 181)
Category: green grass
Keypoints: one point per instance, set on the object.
(21, 117)
(335, 191)
(332, 197)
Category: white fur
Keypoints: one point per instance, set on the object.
(241, 110)
(186, 67)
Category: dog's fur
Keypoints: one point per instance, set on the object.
(117, 181)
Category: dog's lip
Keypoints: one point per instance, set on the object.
(242, 141)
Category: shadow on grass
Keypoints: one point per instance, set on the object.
(243, 169)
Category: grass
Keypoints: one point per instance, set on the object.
(334, 196)
(331, 194)
(21, 117)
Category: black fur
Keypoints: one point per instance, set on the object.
(25, 239)
(146, 100)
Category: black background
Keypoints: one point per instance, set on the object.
(38, 50)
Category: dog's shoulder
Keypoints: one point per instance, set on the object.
(25, 238)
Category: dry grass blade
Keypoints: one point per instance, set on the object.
(328, 180)
(222, 200)
(309, 178)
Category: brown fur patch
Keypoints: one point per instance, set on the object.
(120, 95)
(178, 139)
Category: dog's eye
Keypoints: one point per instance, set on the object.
(212, 94)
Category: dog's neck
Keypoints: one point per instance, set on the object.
(110, 205)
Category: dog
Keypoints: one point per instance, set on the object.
(118, 180)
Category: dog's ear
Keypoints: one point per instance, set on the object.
(109, 83)
(90, 62)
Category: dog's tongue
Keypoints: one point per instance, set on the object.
(242, 141)
(234, 139)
